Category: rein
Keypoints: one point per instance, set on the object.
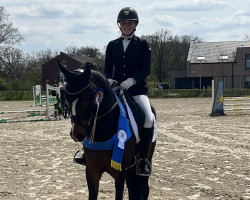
(77, 118)
(111, 109)
(79, 92)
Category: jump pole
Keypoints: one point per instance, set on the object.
(47, 103)
(29, 120)
(212, 91)
(22, 111)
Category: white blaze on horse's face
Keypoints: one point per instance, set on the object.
(74, 112)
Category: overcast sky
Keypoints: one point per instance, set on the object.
(56, 24)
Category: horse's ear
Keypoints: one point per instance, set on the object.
(87, 72)
(63, 68)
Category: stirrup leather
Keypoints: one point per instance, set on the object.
(81, 160)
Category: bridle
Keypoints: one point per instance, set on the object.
(80, 91)
(77, 119)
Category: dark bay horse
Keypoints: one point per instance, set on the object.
(81, 89)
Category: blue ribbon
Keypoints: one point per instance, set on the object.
(115, 143)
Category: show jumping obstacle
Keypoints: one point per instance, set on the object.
(233, 104)
(222, 103)
(20, 118)
(39, 100)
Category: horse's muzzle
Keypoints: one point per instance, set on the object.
(73, 137)
(77, 134)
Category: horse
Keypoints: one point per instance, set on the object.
(89, 114)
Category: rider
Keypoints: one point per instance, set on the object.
(129, 57)
(128, 61)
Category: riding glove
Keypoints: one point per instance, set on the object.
(128, 83)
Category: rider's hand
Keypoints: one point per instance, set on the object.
(112, 81)
(128, 83)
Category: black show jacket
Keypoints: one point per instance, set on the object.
(133, 63)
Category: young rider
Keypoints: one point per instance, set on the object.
(128, 61)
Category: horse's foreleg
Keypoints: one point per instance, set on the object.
(119, 185)
(93, 177)
(138, 187)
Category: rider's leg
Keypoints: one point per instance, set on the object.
(144, 166)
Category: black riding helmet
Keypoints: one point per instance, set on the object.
(128, 13)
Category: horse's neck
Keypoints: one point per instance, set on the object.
(107, 126)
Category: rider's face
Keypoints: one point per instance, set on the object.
(127, 27)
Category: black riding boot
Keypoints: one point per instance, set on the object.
(143, 167)
(81, 161)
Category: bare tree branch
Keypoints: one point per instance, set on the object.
(9, 36)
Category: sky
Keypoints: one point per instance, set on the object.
(57, 24)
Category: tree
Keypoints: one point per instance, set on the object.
(10, 57)
(247, 37)
(162, 55)
(9, 36)
(71, 50)
(3, 84)
(181, 48)
(12, 60)
(34, 62)
(89, 51)
(168, 53)
(22, 71)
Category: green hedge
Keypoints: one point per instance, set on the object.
(185, 93)
(16, 95)
(153, 93)
(236, 92)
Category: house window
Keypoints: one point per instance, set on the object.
(247, 61)
(247, 81)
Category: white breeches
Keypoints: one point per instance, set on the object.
(143, 101)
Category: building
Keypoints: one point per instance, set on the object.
(50, 70)
(179, 80)
(219, 61)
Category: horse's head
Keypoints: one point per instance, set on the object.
(78, 93)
